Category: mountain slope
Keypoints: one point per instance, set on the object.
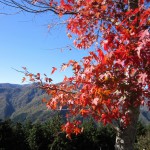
(22, 102)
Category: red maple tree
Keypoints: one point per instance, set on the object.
(111, 82)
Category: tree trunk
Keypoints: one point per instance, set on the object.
(125, 138)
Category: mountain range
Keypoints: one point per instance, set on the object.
(24, 102)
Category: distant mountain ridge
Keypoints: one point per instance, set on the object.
(24, 102)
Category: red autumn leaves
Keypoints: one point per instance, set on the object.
(115, 76)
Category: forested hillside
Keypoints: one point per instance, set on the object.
(22, 102)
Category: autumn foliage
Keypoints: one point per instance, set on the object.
(115, 77)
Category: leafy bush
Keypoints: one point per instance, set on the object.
(143, 140)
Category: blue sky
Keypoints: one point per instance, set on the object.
(26, 41)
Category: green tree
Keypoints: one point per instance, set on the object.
(19, 137)
(6, 135)
(143, 139)
(36, 137)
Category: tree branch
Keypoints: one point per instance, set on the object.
(40, 7)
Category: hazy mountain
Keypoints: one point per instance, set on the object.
(24, 102)
(145, 114)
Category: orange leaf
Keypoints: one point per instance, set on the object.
(69, 35)
(77, 130)
(44, 100)
(104, 7)
(54, 69)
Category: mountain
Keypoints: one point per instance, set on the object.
(145, 113)
(24, 102)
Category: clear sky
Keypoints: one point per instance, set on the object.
(26, 41)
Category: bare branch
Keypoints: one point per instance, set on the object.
(39, 7)
(10, 13)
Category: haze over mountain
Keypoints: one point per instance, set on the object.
(24, 102)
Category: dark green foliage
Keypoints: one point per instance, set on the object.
(12, 137)
(19, 137)
(100, 137)
(143, 138)
(141, 129)
(6, 134)
(48, 136)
